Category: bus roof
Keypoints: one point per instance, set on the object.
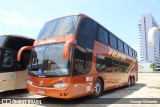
(15, 42)
(17, 36)
(82, 14)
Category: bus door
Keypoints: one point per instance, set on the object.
(78, 71)
(83, 56)
(7, 74)
(82, 64)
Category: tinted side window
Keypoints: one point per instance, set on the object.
(9, 61)
(124, 66)
(101, 63)
(136, 54)
(88, 60)
(79, 61)
(120, 45)
(133, 53)
(113, 41)
(82, 60)
(86, 33)
(130, 51)
(115, 65)
(125, 49)
(106, 34)
(102, 35)
(108, 65)
(1, 56)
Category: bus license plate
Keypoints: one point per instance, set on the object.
(41, 91)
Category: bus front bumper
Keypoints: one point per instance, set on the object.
(62, 93)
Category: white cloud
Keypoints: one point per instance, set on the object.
(16, 19)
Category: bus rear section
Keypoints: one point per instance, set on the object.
(13, 74)
(69, 61)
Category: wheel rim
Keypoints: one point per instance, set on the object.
(97, 88)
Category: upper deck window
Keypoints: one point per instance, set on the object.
(120, 45)
(59, 27)
(126, 48)
(103, 35)
(86, 33)
(113, 41)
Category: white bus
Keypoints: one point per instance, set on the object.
(13, 74)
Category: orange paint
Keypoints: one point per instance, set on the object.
(82, 85)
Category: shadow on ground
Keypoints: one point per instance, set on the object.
(12, 93)
(109, 97)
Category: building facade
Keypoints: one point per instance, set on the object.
(148, 54)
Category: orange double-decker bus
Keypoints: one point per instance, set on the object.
(75, 56)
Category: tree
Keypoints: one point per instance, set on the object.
(140, 67)
(153, 66)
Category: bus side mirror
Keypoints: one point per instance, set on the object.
(66, 49)
(21, 50)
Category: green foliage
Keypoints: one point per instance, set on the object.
(153, 66)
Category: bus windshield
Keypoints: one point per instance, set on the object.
(59, 27)
(47, 61)
(2, 40)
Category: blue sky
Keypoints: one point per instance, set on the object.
(26, 17)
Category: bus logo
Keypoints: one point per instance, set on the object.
(116, 54)
(41, 83)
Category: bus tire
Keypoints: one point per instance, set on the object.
(98, 88)
(129, 81)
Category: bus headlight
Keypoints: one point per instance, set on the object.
(62, 85)
(29, 82)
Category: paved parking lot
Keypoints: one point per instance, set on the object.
(148, 86)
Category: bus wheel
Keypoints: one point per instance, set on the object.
(98, 89)
(129, 81)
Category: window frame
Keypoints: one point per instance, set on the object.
(130, 52)
(11, 69)
(113, 41)
(126, 49)
(120, 45)
(85, 69)
(104, 34)
(117, 66)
